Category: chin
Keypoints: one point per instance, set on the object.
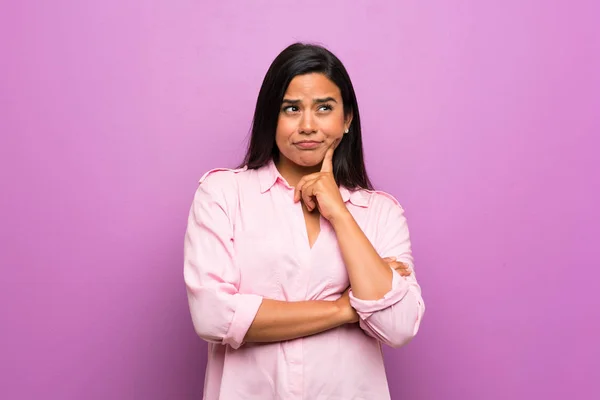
(304, 160)
(307, 161)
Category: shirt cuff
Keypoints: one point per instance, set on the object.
(366, 308)
(246, 309)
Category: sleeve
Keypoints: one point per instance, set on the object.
(219, 313)
(395, 318)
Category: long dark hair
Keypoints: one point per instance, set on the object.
(299, 59)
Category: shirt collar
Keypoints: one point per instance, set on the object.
(268, 175)
(356, 197)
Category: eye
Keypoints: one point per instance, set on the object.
(290, 109)
(325, 107)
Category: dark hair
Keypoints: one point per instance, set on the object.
(299, 59)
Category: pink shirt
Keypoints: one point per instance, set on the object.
(246, 240)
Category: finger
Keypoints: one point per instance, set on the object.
(308, 197)
(298, 189)
(302, 185)
(404, 270)
(398, 265)
(389, 259)
(303, 182)
(327, 165)
(310, 204)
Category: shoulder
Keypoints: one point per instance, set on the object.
(220, 184)
(379, 204)
(220, 177)
(376, 199)
(386, 218)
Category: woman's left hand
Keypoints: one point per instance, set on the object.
(319, 190)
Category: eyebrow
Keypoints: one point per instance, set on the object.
(315, 101)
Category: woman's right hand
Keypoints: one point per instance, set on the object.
(401, 268)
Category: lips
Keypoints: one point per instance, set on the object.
(307, 144)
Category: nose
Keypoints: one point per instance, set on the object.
(307, 124)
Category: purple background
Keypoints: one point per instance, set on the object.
(481, 117)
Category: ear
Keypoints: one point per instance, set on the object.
(347, 121)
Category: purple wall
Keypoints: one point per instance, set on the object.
(482, 117)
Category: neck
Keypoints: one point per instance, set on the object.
(292, 172)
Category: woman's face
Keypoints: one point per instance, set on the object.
(311, 118)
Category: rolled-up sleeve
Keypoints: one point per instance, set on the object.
(220, 314)
(395, 318)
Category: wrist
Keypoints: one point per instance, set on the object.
(342, 218)
(345, 313)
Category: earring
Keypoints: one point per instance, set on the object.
(347, 130)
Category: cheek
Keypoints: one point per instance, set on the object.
(284, 130)
(334, 130)
(334, 125)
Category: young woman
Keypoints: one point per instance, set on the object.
(296, 269)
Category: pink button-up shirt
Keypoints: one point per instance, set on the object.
(246, 240)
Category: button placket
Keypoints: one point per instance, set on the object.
(296, 368)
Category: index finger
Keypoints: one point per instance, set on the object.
(327, 165)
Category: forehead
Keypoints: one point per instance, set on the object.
(313, 85)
